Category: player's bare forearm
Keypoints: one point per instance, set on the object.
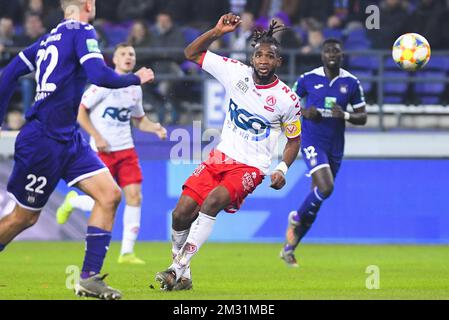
(194, 50)
(86, 124)
(359, 117)
(146, 125)
(227, 23)
(291, 151)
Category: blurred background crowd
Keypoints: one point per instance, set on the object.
(156, 27)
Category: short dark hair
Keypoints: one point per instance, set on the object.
(264, 36)
(122, 45)
(332, 41)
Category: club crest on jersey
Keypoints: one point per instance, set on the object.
(254, 124)
(242, 86)
(344, 89)
(271, 101)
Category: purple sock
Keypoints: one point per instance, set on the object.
(2, 247)
(306, 215)
(97, 244)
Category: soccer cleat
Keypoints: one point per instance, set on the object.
(289, 258)
(95, 287)
(65, 210)
(167, 279)
(130, 258)
(183, 284)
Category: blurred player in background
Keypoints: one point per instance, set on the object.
(50, 146)
(106, 115)
(258, 105)
(328, 91)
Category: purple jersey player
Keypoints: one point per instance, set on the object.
(328, 91)
(50, 146)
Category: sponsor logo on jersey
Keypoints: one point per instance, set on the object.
(122, 115)
(242, 86)
(318, 86)
(344, 89)
(254, 124)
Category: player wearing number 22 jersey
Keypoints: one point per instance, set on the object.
(327, 91)
(259, 107)
(50, 147)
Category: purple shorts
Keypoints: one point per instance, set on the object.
(40, 162)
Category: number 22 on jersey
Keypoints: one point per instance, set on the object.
(52, 54)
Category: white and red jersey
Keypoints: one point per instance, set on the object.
(255, 115)
(110, 111)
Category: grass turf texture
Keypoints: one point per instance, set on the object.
(37, 270)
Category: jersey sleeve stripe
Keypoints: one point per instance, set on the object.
(91, 56)
(359, 105)
(26, 61)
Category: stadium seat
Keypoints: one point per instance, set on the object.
(357, 40)
(115, 34)
(363, 62)
(302, 34)
(333, 33)
(438, 63)
(366, 85)
(395, 90)
(389, 64)
(430, 92)
(190, 34)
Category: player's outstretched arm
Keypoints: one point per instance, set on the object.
(290, 153)
(8, 81)
(146, 125)
(227, 23)
(101, 75)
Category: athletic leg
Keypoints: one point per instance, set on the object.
(301, 221)
(131, 223)
(237, 182)
(16, 222)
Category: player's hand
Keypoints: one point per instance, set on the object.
(337, 112)
(228, 23)
(102, 144)
(277, 180)
(160, 131)
(311, 113)
(146, 75)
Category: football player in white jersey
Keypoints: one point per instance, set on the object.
(258, 108)
(106, 115)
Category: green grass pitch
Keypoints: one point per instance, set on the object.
(221, 271)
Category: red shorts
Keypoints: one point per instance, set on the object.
(219, 170)
(124, 166)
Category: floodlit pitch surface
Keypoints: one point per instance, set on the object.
(37, 270)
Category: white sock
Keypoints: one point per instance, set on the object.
(131, 227)
(199, 232)
(84, 203)
(178, 239)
